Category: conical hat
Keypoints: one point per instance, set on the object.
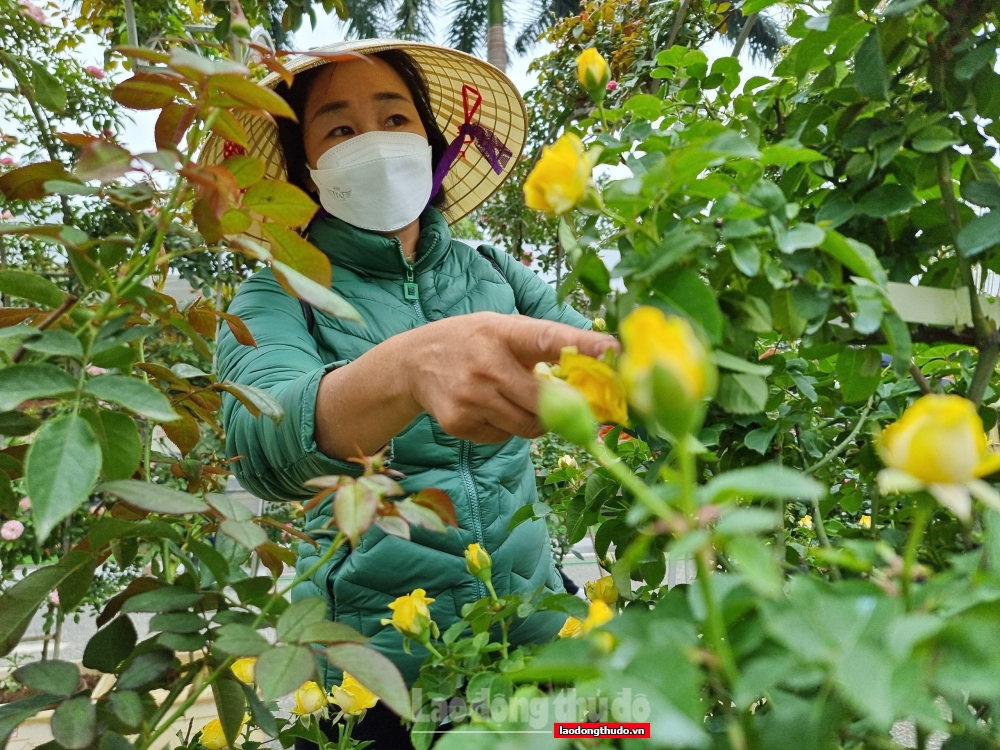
(472, 178)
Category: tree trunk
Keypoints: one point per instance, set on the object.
(496, 45)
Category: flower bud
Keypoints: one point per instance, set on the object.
(560, 178)
(572, 628)
(212, 736)
(245, 669)
(478, 561)
(309, 699)
(594, 73)
(603, 589)
(564, 410)
(411, 616)
(568, 462)
(600, 325)
(352, 697)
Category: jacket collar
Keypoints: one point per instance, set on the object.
(371, 254)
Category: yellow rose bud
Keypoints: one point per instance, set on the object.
(478, 561)
(603, 589)
(568, 462)
(309, 699)
(600, 325)
(865, 522)
(593, 73)
(572, 628)
(352, 697)
(666, 369)
(212, 736)
(939, 440)
(410, 615)
(600, 614)
(806, 522)
(564, 410)
(244, 670)
(600, 384)
(560, 178)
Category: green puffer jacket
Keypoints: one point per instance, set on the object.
(486, 483)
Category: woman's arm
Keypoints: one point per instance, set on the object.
(473, 373)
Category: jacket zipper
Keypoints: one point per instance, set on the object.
(465, 469)
(412, 293)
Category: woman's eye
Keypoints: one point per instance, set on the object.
(340, 132)
(396, 120)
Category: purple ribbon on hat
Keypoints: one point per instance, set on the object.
(491, 147)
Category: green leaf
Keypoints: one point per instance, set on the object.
(127, 706)
(935, 138)
(22, 383)
(60, 470)
(887, 200)
(229, 507)
(856, 256)
(124, 448)
(375, 671)
(19, 602)
(897, 333)
(262, 718)
(74, 723)
(320, 297)
(55, 677)
(354, 509)
(133, 394)
(901, 7)
(760, 439)
(18, 424)
(31, 287)
(757, 564)
(727, 361)
(281, 202)
(145, 669)
(327, 631)
(786, 155)
(110, 646)
(177, 622)
(800, 237)
(756, 6)
(283, 669)
(859, 371)
(688, 294)
(237, 639)
(868, 302)
(163, 599)
(742, 393)
(49, 90)
(246, 169)
(12, 714)
(247, 533)
(249, 93)
(644, 106)
(256, 400)
(230, 705)
(766, 480)
(870, 75)
(57, 343)
(300, 615)
(154, 497)
(980, 234)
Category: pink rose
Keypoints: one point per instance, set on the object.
(33, 12)
(612, 85)
(54, 597)
(95, 71)
(6, 216)
(25, 503)
(95, 370)
(7, 161)
(11, 530)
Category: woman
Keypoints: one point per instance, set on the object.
(440, 372)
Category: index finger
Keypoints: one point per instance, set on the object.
(532, 341)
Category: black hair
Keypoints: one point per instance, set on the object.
(292, 140)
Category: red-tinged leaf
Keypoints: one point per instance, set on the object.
(250, 248)
(354, 510)
(256, 400)
(274, 64)
(384, 485)
(275, 558)
(143, 91)
(290, 248)
(317, 295)
(208, 223)
(439, 502)
(419, 515)
(183, 432)
(104, 161)
(252, 95)
(246, 170)
(228, 127)
(394, 525)
(143, 53)
(196, 67)
(115, 603)
(159, 371)
(10, 316)
(280, 201)
(239, 329)
(28, 183)
(202, 319)
(213, 183)
(235, 221)
(172, 124)
(79, 140)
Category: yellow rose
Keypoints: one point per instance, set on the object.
(212, 736)
(244, 670)
(600, 614)
(572, 628)
(865, 522)
(410, 615)
(352, 697)
(478, 561)
(560, 178)
(665, 367)
(599, 383)
(600, 325)
(806, 522)
(603, 589)
(568, 462)
(593, 73)
(939, 443)
(309, 699)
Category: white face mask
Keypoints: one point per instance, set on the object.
(377, 181)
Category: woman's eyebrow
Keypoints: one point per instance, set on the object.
(380, 96)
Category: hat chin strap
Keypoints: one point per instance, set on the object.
(485, 140)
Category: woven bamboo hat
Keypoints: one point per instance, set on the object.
(456, 82)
